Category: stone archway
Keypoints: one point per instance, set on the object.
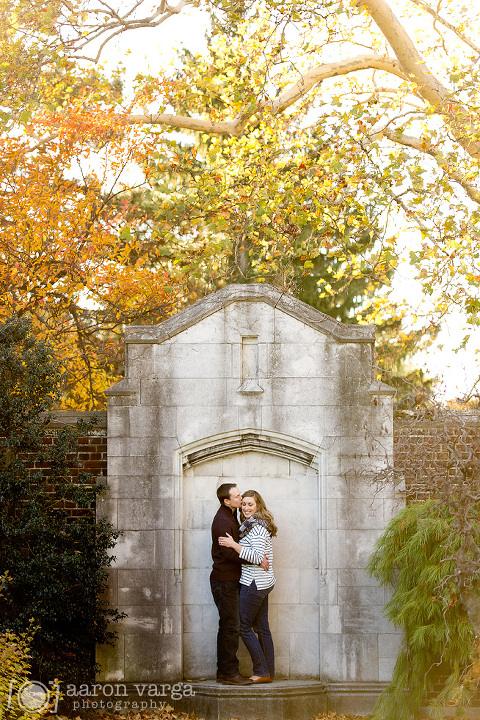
(248, 375)
(287, 475)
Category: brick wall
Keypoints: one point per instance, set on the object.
(436, 450)
(425, 440)
(92, 450)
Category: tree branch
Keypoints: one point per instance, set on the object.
(416, 69)
(328, 70)
(448, 25)
(186, 123)
(416, 144)
(410, 60)
(311, 78)
(397, 199)
(115, 24)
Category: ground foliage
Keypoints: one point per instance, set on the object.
(14, 671)
(170, 713)
(413, 556)
(56, 562)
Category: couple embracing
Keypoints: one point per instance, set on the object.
(241, 580)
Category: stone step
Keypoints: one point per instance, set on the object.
(280, 700)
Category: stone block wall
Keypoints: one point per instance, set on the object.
(249, 386)
(354, 640)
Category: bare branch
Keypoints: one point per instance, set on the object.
(40, 143)
(175, 10)
(448, 25)
(424, 147)
(407, 210)
(115, 24)
(328, 70)
(186, 123)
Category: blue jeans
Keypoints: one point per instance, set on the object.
(254, 619)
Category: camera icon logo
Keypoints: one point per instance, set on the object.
(34, 696)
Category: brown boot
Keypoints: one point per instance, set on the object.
(237, 680)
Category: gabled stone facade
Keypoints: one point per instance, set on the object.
(252, 386)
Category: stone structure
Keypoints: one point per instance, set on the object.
(252, 386)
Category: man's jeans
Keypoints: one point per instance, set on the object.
(226, 596)
(254, 617)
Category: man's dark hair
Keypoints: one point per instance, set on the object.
(223, 492)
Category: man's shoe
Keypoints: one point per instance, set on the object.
(261, 679)
(237, 680)
(221, 677)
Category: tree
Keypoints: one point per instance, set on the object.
(56, 562)
(359, 113)
(281, 204)
(414, 124)
(269, 206)
(67, 257)
(430, 556)
(66, 254)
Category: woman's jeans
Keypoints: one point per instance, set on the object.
(254, 617)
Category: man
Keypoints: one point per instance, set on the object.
(225, 585)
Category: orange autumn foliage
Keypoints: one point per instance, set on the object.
(66, 255)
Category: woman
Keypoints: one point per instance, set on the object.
(256, 534)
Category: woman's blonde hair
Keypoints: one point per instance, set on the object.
(261, 511)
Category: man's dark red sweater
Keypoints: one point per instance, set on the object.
(227, 565)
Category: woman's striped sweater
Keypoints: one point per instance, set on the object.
(255, 544)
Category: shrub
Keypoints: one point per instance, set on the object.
(57, 563)
(14, 672)
(417, 556)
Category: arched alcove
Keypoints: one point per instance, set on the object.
(287, 473)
